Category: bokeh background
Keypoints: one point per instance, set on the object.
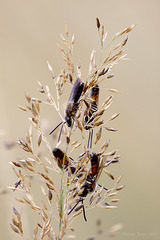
(29, 33)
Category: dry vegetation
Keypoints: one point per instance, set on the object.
(78, 188)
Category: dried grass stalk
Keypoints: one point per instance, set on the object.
(78, 176)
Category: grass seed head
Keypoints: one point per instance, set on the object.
(79, 176)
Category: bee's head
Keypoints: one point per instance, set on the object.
(57, 152)
(92, 155)
(68, 121)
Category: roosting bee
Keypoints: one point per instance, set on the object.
(91, 180)
(88, 114)
(72, 105)
(63, 160)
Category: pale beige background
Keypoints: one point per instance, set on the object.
(29, 31)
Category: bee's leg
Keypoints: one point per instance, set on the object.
(80, 200)
(89, 139)
(84, 213)
(91, 133)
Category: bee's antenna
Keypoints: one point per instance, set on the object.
(56, 127)
(90, 138)
(61, 131)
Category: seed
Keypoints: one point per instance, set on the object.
(50, 195)
(119, 179)
(39, 140)
(14, 228)
(98, 23)
(120, 188)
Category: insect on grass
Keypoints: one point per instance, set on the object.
(72, 106)
(91, 108)
(64, 190)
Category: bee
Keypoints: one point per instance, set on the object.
(91, 180)
(72, 105)
(73, 102)
(90, 110)
(64, 160)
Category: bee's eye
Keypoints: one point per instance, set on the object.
(69, 121)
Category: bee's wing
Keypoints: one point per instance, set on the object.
(76, 91)
(98, 173)
(94, 94)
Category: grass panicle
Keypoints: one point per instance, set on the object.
(69, 187)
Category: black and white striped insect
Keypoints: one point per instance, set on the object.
(91, 180)
(91, 108)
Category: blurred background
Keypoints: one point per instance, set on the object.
(29, 33)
